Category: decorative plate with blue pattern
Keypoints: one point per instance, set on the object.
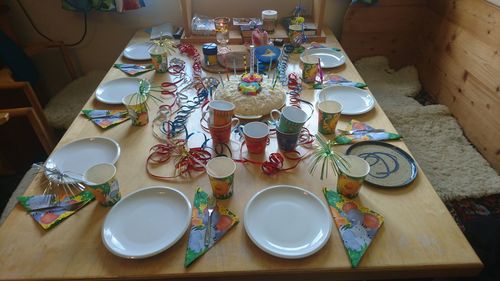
(390, 166)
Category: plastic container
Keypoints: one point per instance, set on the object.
(269, 18)
(210, 53)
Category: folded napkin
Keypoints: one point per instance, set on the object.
(315, 45)
(106, 118)
(50, 218)
(333, 79)
(358, 131)
(222, 221)
(357, 225)
(134, 69)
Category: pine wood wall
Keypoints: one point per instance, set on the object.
(456, 48)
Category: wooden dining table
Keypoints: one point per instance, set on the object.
(419, 237)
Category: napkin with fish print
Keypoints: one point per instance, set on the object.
(133, 69)
(333, 79)
(52, 217)
(358, 131)
(106, 118)
(357, 225)
(222, 221)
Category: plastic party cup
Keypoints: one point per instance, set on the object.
(220, 112)
(137, 109)
(290, 119)
(310, 66)
(256, 136)
(222, 134)
(220, 172)
(351, 177)
(328, 116)
(295, 34)
(101, 181)
(287, 141)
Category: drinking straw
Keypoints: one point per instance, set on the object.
(234, 65)
(320, 71)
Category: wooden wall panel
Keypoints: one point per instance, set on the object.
(459, 64)
(387, 28)
(456, 48)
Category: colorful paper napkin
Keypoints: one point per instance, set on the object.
(363, 132)
(357, 225)
(106, 118)
(222, 221)
(50, 218)
(333, 79)
(133, 69)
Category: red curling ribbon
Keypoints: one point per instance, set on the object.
(293, 81)
(193, 53)
(187, 159)
(275, 162)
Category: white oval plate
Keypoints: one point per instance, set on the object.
(146, 222)
(78, 156)
(138, 51)
(287, 221)
(112, 92)
(354, 100)
(329, 57)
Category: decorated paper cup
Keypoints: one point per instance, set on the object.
(222, 134)
(101, 181)
(309, 68)
(351, 178)
(295, 32)
(287, 141)
(220, 112)
(220, 172)
(137, 109)
(290, 119)
(328, 115)
(256, 136)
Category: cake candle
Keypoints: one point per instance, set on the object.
(245, 64)
(269, 71)
(234, 65)
(221, 80)
(252, 58)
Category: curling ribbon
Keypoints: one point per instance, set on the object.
(187, 159)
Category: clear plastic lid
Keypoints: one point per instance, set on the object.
(269, 14)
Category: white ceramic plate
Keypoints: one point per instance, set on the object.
(287, 221)
(329, 57)
(76, 157)
(138, 51)
(354, 100)
(112, 92)
(146, 222)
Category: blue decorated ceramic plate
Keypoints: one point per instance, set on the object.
(267, 54)
(390, 166)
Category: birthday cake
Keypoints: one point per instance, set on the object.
(251, 95)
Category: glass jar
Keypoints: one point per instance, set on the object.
(269, 18)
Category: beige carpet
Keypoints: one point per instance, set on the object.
(452, 164)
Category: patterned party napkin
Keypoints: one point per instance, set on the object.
(106, 118)
(357, 225)
(358, 131)
(133, 69)
(333, 79)
(50, 218)
(222, 221)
